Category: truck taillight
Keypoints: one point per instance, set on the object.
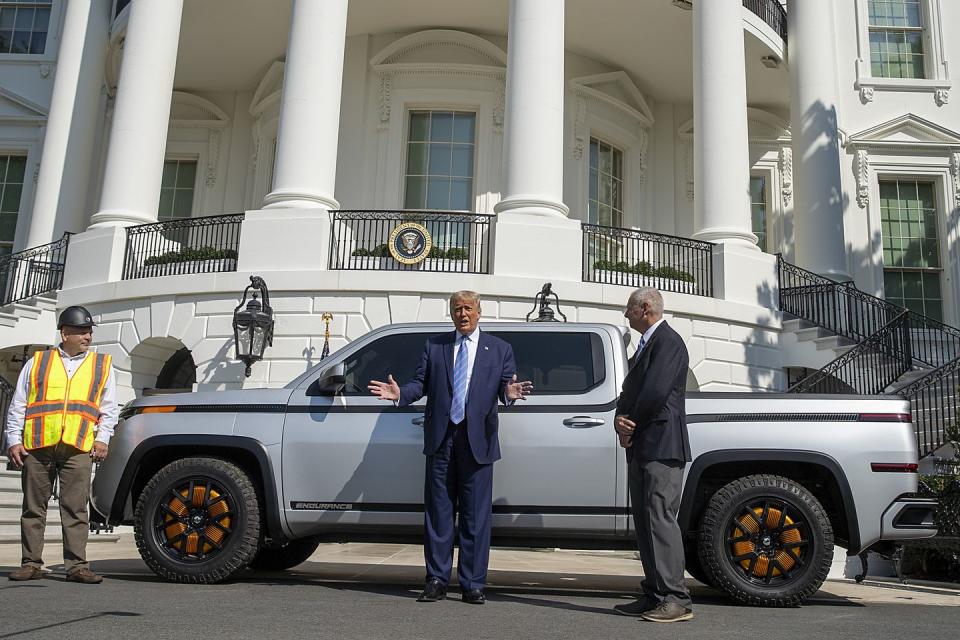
(894, 467)
(884, 417)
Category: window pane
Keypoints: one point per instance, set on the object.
(416, 159)
(8, 226)
(186, 174)
(416, 193)
(461, 194)
(24, 19)
(165, 210)
(440, 159)
(15, 168)
(557, 363)
(7, 18)
(169, 178)
(183, 203)
(441, 126)
(21, 42)
(395, 355)
(438, 193)
(420, 126)
(463, 124)
(11, 198)
(462, 161)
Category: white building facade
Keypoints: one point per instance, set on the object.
(595, 144)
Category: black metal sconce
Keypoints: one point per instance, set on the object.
(542, 300)
(253, 325)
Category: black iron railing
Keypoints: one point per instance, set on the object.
(460, 242)
(34, 271)
(934, 403)
(613, 255)
(189, 245)
(771, 12)
(841, 308)
(6, 395)
(868, 368)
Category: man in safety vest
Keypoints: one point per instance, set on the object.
(60, 421)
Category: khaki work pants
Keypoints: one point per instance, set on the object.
(40, 468)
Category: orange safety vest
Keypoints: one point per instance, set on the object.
(61, 408)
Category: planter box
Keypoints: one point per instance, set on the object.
(188, 266)
(636, 280)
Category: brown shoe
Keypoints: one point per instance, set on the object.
(669, 612)
(636, 608)
(26, 572)
(85, 576)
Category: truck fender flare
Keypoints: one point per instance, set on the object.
(187, 441)
(707, 460)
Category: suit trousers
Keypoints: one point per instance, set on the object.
(73, 468)
(655, 488)
(456, 486)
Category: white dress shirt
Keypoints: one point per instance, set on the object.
(649, 332)
(18, 405)
(473, 340)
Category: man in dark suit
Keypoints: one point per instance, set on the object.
(652, 427)
(463, 374)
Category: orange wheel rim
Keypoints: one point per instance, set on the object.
(767, 541)
(194, 520)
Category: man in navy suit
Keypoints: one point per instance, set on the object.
(463, 374)
(652, 426)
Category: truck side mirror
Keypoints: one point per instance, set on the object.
(330, 382)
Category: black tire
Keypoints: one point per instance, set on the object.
(198, 521)
(766, 540)
(286, 557)
(693, 565)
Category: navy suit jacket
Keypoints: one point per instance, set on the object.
(654, 397)
(493, 368)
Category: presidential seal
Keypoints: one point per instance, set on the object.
(410, 243)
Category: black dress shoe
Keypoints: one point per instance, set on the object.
(473, 596)
(433, 591)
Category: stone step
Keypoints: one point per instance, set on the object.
(830, 341)
(11, 515)
(26, 311)
(10, 481)
(43, 302)
(796, 324)
(53, 529)
(99, 538)
(811, 333)
(8, 319)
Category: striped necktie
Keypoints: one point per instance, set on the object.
(457, 406)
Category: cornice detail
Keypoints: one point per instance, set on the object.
(861, 170)
(786, 175)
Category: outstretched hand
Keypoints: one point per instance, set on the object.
(388, 390)
(518, 390)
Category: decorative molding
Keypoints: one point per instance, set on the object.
(36, 172)
(45, 70)
(213, 154)
(906, 132)
(579, 130)
(633, 103)
(955, 175)
(861, 170)
(210, 115)
(269, 90)
(786, 175)
(383, 100)
(33, 112)
(489, 54)
(866, 94)
(688, 168)
(499, 104)
(941, 97)
(644, 145)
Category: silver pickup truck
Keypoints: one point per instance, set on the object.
(215, 482)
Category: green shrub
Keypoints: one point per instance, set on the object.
(360, 252)
(457, 253)
(642, 268)
(189, 254)
(435, 252)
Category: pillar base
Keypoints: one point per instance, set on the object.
(95, 257)
(119, 218)
(532, 206)
(288, 239)
(728, 235)
(538, 246)
(296, 199)
(747, 275)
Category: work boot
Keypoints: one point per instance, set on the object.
(26, 572)
(84, 576)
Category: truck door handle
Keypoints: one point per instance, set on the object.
(582, 422)
(418, 421)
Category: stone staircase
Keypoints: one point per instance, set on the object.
(30, 321)
(11, 503)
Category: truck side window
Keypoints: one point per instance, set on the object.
(396, 354)
(557, 362)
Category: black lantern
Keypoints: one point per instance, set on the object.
(253, 325)
(543, 300)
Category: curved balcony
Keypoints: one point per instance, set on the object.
(771, 12)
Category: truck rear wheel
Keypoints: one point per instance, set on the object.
(286, 557)
(766, 540)
(198, 520)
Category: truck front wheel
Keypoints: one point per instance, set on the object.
(198, 520)
(766, 540)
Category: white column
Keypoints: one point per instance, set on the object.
(818, 193)
(138, 135)
(306, 164)
(61, 186)
(721, 161)
(533, 132)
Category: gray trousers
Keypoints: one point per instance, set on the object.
(655, 488)
(73, 468)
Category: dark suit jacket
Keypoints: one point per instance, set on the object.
(654, 398)
(493, 368)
